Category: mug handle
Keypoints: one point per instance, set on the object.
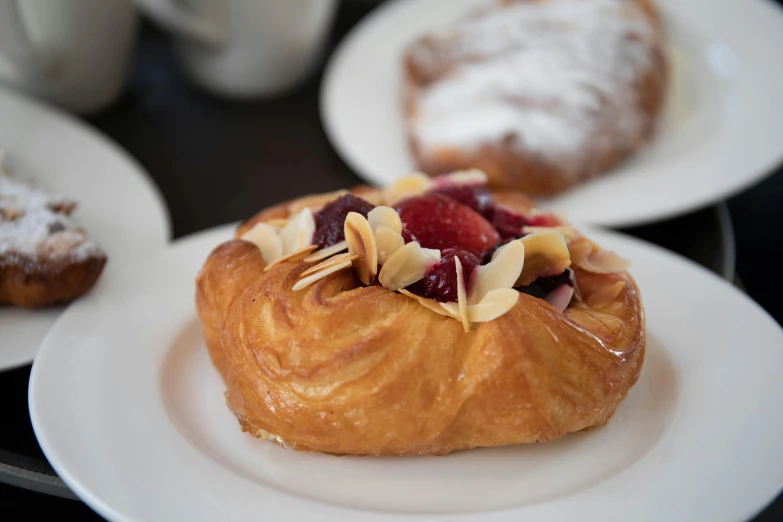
(172, 15)
(15, 43)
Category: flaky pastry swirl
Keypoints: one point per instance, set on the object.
(350, 369)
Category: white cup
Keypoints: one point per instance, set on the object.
(72, 52)
(246, 48)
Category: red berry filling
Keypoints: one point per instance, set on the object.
(475, 196)
(437, 221)
(509, 223)
(330, 220)
(440, 283)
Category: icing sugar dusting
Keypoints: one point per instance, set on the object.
(542, 77)
(32, 226)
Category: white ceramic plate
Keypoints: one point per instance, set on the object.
(720, 131)
(118, 204)
(131, 414)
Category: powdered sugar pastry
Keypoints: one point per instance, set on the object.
(34, 224)
(541, 77)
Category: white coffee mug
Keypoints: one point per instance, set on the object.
(246, 48)
(72, 52)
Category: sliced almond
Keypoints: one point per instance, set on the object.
(266, 238)
(546, 254)
(502, 272)
(278, 223)
(315, 202)
(496, 303)
(462, 297)
(604, 262)
(406, 187)
(326, 252)
(361, 241)
(385, 217)
(560, 297)
(463, 177)
(407, 265)
(427, 303)
(298, 233)
(307, 281)
(388, 242)
(334, 260)
(293, 256)
(605, 295)
(580, 248)
(570, 233)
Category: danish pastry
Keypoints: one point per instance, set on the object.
(540, 94)
(425, 318)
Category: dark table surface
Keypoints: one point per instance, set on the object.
(217, 161)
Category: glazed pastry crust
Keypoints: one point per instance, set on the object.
(347, 369)
(510, 166)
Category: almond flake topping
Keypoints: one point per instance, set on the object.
(546, 254)
(298, 233)
(604, 262)
(580, 248)
(408, 186)
(501, 272)
(361, 241)
(293, 256)
(462, 297)
(463, 177)
(430, 304)
(266, 238)
(307, 281)
(388, 242)
(496, 303)
(278, 223)
(334, 260)
(570, 233)
(326, 252)
(385, 217)
(407, 265)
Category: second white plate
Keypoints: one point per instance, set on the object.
(720, 131)
(131, 414)
(119, 206)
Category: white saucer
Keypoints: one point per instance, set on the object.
(131, 414)
(719, 134)
(118, 204)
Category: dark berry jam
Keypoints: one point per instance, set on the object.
(542, 286)
(330, 220)
(440, 283)
(508, 223)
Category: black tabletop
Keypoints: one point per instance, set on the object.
(218, 161)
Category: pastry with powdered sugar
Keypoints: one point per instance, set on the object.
(46, 258)
(539, 94)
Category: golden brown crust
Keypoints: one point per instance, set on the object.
(29, 284)
(348, 369)
(509, 167)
